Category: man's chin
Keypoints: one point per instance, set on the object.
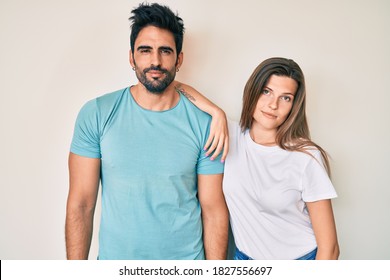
(156, 87)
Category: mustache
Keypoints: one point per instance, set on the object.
(155, 68)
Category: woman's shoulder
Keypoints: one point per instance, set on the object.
(234, 128)
(305, 146)
(232, 123)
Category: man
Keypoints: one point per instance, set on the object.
(161, 196)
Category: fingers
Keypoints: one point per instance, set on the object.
(218, 140)
(223, 146)
(216, 145)
(208, 143)
(225, 149)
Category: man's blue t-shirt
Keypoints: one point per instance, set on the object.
(149, 166)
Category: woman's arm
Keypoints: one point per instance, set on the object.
(321, 215)
(219, 136)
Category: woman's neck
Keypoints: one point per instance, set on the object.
(263, 137)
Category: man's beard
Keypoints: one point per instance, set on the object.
(156, 86)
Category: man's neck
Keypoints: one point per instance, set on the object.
(155, 101)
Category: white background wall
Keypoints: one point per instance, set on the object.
(56, 55)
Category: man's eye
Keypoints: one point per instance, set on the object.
(165, 51)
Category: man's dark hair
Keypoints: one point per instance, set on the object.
(158, 16)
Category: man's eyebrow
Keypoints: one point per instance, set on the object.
(143, 47)
(162, 48)
(166, 48)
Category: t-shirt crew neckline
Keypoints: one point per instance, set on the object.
(152, 111)
(258, 146)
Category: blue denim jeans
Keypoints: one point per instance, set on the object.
(309, 256)
(242, 256)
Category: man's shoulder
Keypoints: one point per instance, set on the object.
(109, 101)
(112, 97)
(102, 104)
(190, 107)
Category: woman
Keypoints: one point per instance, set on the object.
(276, 181)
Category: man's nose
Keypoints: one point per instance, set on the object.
(156, 59)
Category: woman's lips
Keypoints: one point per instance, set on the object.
(269, 115)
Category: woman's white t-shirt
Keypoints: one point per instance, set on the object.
(266, 189)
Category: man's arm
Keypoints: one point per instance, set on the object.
(214, 215)
(84, 176)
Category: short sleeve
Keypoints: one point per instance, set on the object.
(205, 165)
(86, 136)
(316, 182)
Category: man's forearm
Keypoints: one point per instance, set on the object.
(215, 235)
(78, 234)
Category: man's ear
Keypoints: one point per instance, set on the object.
(179, 60)
(131, 59)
